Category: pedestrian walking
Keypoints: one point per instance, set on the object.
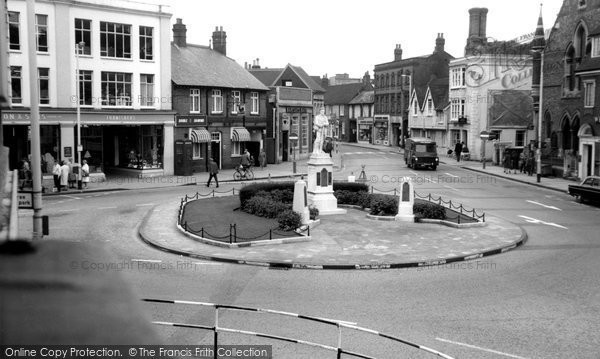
(262, 158)
(529, 164)
(64, 176)
(56, 175)
(522, 159)
(213, 169)
(458, 150)
(85, 174)
(515, 161)
(506, 161)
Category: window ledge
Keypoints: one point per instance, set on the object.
(147, 61)
(116, 58)
(13, 51)
(85, 56)
(43, 53)
(216, 113)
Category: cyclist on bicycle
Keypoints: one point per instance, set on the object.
(246, 160)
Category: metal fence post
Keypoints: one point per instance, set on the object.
(230, 233)
(235, 232)
(270, 234)
(460, 215)
(216, 336)
(309, 231)
(339, 352)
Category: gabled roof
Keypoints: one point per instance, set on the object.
(363, 97)
(342, 94)
(310, 83)
(195, 65)
(266, 76)
(437, 88)
(511, 108)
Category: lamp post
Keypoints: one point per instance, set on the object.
(538, 151)
(78, 47)
(404, 130)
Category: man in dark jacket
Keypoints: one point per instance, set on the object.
(213, 169)
(458, 150)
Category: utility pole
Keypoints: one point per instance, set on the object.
(34, 99)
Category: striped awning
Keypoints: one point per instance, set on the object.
(200, 135)
(240, 134)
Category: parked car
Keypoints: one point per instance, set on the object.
(421, 152)
(587, 190)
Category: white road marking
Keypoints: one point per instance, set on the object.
(147, 260)
(144, 204)
(480, 348)
(107, 207)
(71, 197)
(452, 188)
(537, 221)
(543, 205)
(208, 264)
(451, 175)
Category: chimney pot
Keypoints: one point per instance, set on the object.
(179, 33)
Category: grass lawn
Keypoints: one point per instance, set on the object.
(216, 214)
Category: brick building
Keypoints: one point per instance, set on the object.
(571, 98)
(220, 106)
(393, 84)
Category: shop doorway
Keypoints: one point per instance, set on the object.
(215, 147)
(285, 139)
(254, 149)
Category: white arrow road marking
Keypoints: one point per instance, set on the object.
(72, 197)
(537, 221)
(451, 175)
(480, 348)
(543, 205)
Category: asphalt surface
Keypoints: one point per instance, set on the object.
(539, 301)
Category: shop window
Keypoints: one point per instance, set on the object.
(15, 84)
(116, 89)
(41, 32)
(146, 51)
(115, 40)
(305, 133)
(49, 146)
(146, 90)
(199, 151)
(44, 85)
(83, 33)
(92, 142)
(85, 88)
(13, 31)
(237, 148)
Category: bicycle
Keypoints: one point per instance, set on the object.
(243, 174)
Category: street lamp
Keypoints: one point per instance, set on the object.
(404, 129)
(538, 151)
(78, 47)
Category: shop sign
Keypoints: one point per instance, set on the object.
(25, 200)
(68, 152)
(190, 121)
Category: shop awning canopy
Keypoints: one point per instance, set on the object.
(200, 135)
(240, 134)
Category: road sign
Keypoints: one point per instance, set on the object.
(25, 200)
(293, 137)
(484, 135)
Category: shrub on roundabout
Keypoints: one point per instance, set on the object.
(429, 210)
(383, 205)
(289, 220)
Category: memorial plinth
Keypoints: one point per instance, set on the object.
(320, 184)
(406, 201)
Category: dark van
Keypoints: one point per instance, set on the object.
(421, 152)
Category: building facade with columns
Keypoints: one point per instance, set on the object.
(124, 85)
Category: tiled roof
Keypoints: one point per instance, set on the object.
(342, 94)
(195, 65)
(589, 64)
(307, 79)
(266, 76)
(511, 108)
(363, 97)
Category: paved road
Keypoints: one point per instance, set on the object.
(540, 301)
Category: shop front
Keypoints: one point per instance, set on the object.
(589, 149)
(365, 129)
(381, 130)
(193, 128)
(295, 122)
(135, 142)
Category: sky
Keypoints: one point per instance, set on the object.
(328, 37)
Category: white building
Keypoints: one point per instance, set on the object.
(125, 84)
(428, 112)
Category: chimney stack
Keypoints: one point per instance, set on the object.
(366, 79)
(179, 33)
(439, 43)
(398, 53)
(219, 40)
(256, 64)
(477, 29)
